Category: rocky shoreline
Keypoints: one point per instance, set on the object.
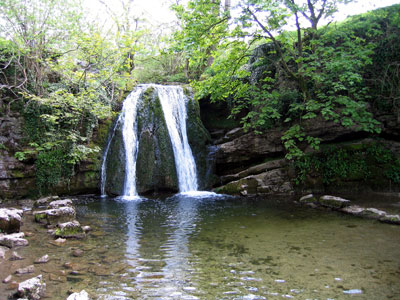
(345, 206)
(58, 217)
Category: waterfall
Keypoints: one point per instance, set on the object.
(103, 164)
(173, 103)
(129, 135)
(174, 106)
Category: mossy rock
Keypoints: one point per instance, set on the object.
(308, 199)
(70, 230)
(155, 164)
(41, 218)
(244, 186)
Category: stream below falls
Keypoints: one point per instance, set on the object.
(216, 248)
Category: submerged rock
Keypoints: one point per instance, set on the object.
(44, 259)
(82, 295)
(13, 240)
(3, 251)
(10, 219)
(55, 216)
(77, 253)
(58, 242)
(26, 270)
(7, 279)
(32, 289)
(16, 256)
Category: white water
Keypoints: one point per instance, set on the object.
(103, 164)
(129, 135)
(173, 102)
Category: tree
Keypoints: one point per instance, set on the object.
(204, 24)
(306, 73)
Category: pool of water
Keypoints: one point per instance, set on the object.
(207, 247)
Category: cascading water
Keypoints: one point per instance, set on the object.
(103, 164)
(129, 134)
(173, 103)
(174, 106)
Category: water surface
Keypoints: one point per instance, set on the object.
(221, 248)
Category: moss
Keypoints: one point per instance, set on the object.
(40, 217)
(18, 174)
(155, 162)
(232, 188)
(69, 231)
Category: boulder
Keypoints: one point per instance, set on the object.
(43, 202)
(70, 230)
(10, 219)
(32, 289)
(354, 210)
(373, 213)
(60, 203)
(255, 170)
(333, 202)
(82, 295)
(13, 240)
(55, 216)
(270, 182)
(310, 198)
(247, 148)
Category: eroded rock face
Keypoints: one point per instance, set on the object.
(262, 179)
(155, 164)
(10, 219)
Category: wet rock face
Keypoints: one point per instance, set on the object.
(155, 164)
(17, 178)
(155, 167)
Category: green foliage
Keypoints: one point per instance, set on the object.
(272, 77)
(338, 164)
(66, 74)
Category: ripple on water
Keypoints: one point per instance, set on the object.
(184, 248)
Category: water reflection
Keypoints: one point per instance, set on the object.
(182, 222)
(156, 246)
